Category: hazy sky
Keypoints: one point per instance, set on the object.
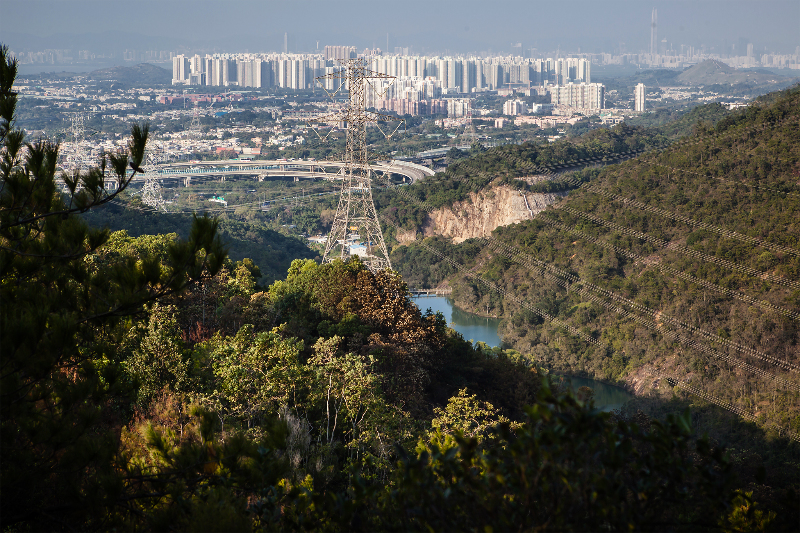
(428, 26)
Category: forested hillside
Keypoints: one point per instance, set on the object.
(678, 264)
(505, 163)
(531, 166)
(245, 238)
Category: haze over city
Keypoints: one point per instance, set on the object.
(429, 28)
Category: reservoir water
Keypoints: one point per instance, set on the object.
(476, 328)
(472, 327)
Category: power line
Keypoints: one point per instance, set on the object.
(552, 170)
(688, 277)
(682, 249)
(541, 267)
(667, 269)
(706, 396)
(650, 324)
(686, 220)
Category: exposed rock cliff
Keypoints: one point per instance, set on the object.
(482, 213)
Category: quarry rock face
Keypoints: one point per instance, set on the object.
(483, 212)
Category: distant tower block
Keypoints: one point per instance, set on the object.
(356, 218)
(654, 32)
(638, 98)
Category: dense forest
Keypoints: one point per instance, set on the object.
(147, 382)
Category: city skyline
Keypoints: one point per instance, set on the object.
(428, 28)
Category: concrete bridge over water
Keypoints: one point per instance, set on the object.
(430, 292)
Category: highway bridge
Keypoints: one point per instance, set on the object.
(330, 170)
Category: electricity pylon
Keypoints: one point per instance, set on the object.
(151, 195)
(356, 211)
(76, 156)
(76, 159)
(194, 128)
(151, 191)
(469, 136)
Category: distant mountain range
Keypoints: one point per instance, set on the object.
(141, 74)
(711, 71)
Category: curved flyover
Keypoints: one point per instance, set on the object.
(264, 168)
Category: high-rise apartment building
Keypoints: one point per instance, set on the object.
(454, 74)
(197, 67)
(585, 70)
(654, 32)
(494, 76)
(558, 72)
(229, 74)
(180, 70)
(638, 98)
(283, 75)
(514, 108)
(254, 73)
(457, 107)
(468, 78)
(214, 72)
(245, 74)
(450, 74)
(565, 70)
(332, 53)
(196, 64)
(581, 95)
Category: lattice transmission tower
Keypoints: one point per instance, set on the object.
(76, 157)
(195, 132)
(151, 191)
(355, 215)
(469, 136)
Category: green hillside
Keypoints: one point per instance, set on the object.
(270, 250)
(503, 164)
(711, 71)
(675, 275)
(700, 243)
(143, 74)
